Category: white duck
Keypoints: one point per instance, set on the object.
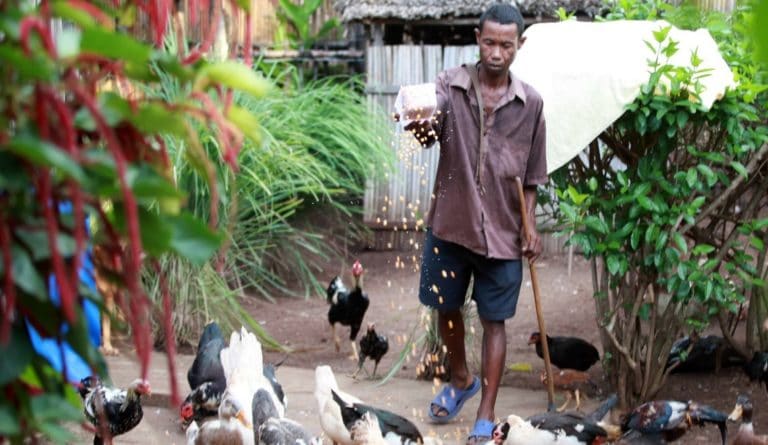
(243, 365)
(330, 413)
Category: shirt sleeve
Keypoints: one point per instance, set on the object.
(536, 169)
(441, 93)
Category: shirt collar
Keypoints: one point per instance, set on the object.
(462, 80)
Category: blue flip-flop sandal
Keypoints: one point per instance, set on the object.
(451, 400)
(482, 432)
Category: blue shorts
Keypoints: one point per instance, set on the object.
(446, 269)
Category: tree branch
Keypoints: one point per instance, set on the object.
(753, 163)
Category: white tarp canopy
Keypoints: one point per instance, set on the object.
(588, 73)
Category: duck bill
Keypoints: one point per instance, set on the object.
(735, 415)
(241, 417)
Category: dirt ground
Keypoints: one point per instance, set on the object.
(391, 280)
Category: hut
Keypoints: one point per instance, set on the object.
(409, 42)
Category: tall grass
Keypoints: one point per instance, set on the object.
(319, 143)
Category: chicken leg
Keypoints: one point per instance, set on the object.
(568, 399)
(336, 340)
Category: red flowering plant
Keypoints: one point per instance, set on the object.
(73, 151)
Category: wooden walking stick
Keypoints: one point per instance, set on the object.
(537, 303)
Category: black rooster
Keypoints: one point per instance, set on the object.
(347, 307)
(389, 423)
(702, 354)
(567, 352)
(372, 346)
(670, 419)
(205, 377)
(120, 408)
(757, 368)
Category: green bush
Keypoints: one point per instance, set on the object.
(677, 235)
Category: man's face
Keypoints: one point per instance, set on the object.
(498, 46)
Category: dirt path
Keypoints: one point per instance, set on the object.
(391, 281)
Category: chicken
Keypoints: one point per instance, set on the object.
(672, 419)
(572, 382)
(205, 377)
(243, 365)
(270, 428)
(567, 352)
(231, 428)
(269, 372)
(207, 381)
(393, 427)
(330, 413)
(702, 354)
(366, 431)
(372, 346)
(120, 408)
(757, 368)
(558, 428)
(746, 434)
(347, 307)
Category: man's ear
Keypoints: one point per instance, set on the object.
(477, 35)
(520, 42)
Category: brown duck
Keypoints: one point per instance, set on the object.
(746, 434)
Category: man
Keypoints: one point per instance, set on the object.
(474, 220)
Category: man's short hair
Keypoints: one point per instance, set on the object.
(503, 13)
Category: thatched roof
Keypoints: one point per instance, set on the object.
(352, 10)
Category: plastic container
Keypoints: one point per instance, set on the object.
(416, 102)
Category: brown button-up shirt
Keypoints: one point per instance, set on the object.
(485, 217)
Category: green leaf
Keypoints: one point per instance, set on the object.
(20, 350)
(635, 239)
(234, 75)
(698, 202)
(192, 239)
(79, 17)
(115, 45)
(155, 231)
(596, 224)
(147, 183)
(152, 118)
(662, 240)
(740, 169)
(708, 173)
(26, 276)
(692, 177)
(576, 197)
(647, 203)
(46, 154)
(645, 311)
(53, 407)
(29, 68)
(681, 244)
(246, 122)
(757, 243)
(592, 184)
(37, 243)
(613, 263)
(703, 249)
(661, 34)
(9, 422)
